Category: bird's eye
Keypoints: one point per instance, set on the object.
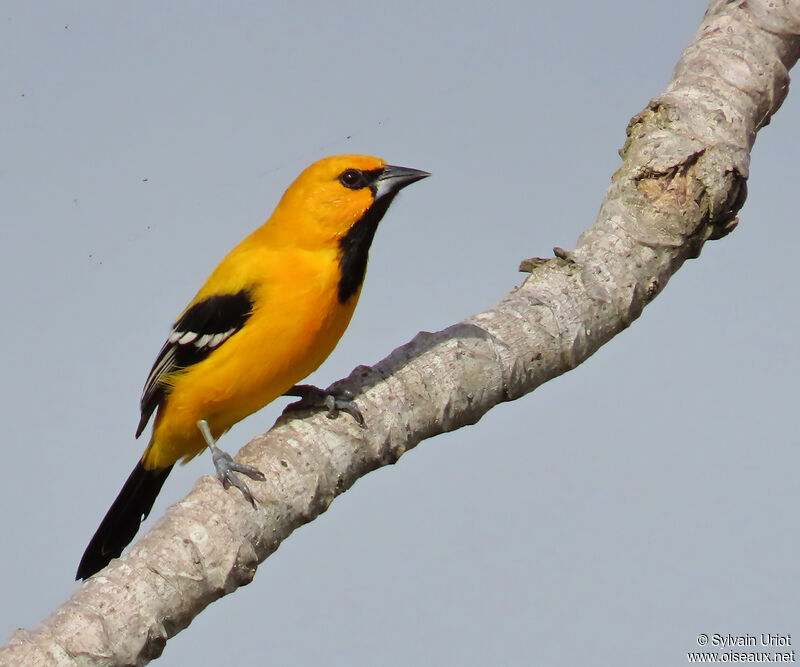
(353, 179)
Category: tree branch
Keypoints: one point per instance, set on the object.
(681, 182)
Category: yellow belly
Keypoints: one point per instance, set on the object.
(296, 323)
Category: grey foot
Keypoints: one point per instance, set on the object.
(333, 401)
(227, 468)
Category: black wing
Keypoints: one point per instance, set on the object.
(199, 331)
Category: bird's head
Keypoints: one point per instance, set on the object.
(331, 196)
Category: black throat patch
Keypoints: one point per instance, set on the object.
(355, 248)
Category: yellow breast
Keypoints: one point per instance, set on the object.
(296, 323)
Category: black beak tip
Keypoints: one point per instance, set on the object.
(393, 171)
(403, 176)
(393, 178)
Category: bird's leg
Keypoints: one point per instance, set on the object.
(227, 467)
(331, 400)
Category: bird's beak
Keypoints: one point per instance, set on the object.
(393, 179)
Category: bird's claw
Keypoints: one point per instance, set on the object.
(333, 401)
(226, 473)
(227, 468)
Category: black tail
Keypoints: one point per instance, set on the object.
(123, 519)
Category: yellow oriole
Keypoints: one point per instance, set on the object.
(268, 315)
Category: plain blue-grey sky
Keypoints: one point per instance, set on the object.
(608, 518)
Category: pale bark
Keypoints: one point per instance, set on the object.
(681, 182)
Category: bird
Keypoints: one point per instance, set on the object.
(267, 316)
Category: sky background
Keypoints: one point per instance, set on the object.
(610, 517)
